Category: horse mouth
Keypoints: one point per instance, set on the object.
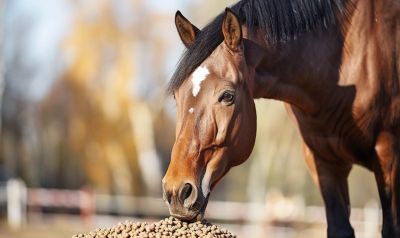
(193, 214)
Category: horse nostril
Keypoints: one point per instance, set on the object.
(167, 196)
(185, 191)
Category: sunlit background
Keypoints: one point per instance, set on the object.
(87, 129)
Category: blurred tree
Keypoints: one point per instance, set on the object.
(92, 109)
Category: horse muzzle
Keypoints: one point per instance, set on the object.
(186, 202)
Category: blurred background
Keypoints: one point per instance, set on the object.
(86, 128)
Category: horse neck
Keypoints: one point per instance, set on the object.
(317, 70)
(300, 71)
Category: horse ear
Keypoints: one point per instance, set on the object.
(186, 30)
(232, 30)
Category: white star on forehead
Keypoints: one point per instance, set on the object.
(191, 110)
(197, 77)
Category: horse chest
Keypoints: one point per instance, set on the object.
(333, 148)
(336, 138)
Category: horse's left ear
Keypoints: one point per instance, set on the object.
(232, 30)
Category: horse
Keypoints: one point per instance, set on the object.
(334, 63)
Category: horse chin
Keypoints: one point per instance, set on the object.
(192, 217)
(200, 216)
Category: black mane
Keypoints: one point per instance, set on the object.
(282, 20)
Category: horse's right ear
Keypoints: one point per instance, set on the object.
(187, 31)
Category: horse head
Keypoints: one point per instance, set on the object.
(216, 120)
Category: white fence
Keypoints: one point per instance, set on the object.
(19, 199)
(277, 210)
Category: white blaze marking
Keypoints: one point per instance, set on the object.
(205, 183)
(191, 110)
(197, 77)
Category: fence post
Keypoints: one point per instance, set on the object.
(371, 219)
(16, 202)
(87, 205)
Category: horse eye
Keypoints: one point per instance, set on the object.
(227, 97)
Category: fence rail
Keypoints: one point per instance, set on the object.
(19, 200)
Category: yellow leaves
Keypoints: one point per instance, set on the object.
(97, 47)
(97, 81)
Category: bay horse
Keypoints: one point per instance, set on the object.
(334, 63)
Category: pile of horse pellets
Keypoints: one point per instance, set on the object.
(167, 228)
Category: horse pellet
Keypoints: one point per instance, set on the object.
(167, 228)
